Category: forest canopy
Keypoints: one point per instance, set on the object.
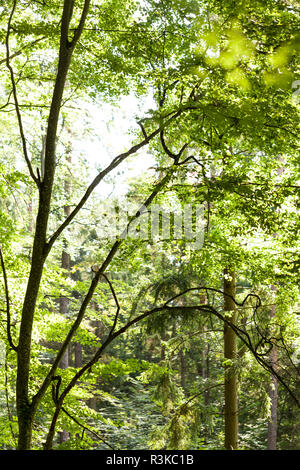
(149, 225)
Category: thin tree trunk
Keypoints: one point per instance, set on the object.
(182, 368)
(273, 391)
(30, 219)
(204, 368)
(272, 424)
(77, 355)
(64, 307)
(273, 394)
(230, 352)
(66, 266)
(64, 301)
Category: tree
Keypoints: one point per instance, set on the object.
(230, 354)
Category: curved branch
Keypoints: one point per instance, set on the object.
(174, 156)
(16, 54)
(116, 301)
(244, 336)
(14, 90)
(9, 413)
(8, 317)
(115, 162)
(79, 29)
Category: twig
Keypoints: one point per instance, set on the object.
(15, 54)
(220, 384)
(8, 323)
(14, 89)
(174, 156)
(7, 398)
(117, 303)
(79, 29)
(143, 129)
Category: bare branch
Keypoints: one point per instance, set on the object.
(14, 90)
(116, 301)
(9, 413)
(19, 52)
(8, 323)
(79, 29)
(143, 129)
(219, 384)
(115, 162)
(174, 156)
(164, 146)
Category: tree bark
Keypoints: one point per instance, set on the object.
(64, 306)
(77, 355)
(204, 365)
(272, 424)
(64, 301)
(182, 368)
(273, 394)
(26, 409)
(230, 353)
(273, 391)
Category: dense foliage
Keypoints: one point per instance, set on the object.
(116, 334)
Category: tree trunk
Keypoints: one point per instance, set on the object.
(77, 355)
(272, 424)
(230, 352)
(64, 301)
(26, 409)
(204, 367)
(64, 310)
(273, 394)
(66, 266)
(182, 368)
(273, 391)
